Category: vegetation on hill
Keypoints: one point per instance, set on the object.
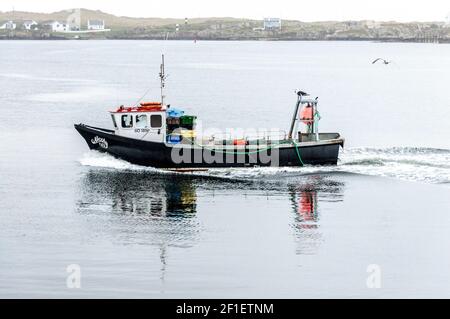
(225, 29)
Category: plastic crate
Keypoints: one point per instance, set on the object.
(188, 133)
(187, 120)
(174, 139)
(173, 120)
(174, 112)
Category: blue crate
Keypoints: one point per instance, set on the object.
(172, 112)
(174, 139)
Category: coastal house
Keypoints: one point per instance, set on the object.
(96, 25)
(56, 26)
(272, 24)
(30, 25)
(9, 25)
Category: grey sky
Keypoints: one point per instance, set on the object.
(312, 10)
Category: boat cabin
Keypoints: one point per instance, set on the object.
(144, 122)
(153, 122)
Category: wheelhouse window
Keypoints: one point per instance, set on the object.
(156, 121)
(141, 121)
(127, 121)
(114, 121)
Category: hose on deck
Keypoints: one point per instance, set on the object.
(298, 153)
(249, 152)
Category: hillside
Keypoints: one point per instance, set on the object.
(227, 29)
(112, 21)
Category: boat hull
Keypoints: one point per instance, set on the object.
(167, 156)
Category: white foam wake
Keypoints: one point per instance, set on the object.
(406, 163)
(103, 160)
(411, 164)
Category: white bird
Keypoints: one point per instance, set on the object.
(380, 59)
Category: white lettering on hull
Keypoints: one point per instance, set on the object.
(100, 141)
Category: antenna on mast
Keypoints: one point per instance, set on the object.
(162, 76)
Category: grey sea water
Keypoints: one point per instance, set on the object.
(260, 232)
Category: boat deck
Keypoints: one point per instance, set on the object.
(304, 139)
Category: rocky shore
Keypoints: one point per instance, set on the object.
(226, 29)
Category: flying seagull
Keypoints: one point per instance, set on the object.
(380, 59)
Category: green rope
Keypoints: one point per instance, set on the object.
(234, 152)
(298, 153)
(251, 152)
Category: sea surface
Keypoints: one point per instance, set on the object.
(77, 223)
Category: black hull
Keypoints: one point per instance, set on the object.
(160, 155)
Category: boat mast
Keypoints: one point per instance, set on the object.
(162, 77)
(315, 124)
(294, 117)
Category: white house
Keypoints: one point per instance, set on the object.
(96, 25)
(57, 26)
(272, 23)
(9, 25)
(30, 24)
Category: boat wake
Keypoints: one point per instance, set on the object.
(104, 160)
(405, 163)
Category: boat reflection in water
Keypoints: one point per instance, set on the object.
(144, 199)
(140, 208)
(160, 210)
(305, 201)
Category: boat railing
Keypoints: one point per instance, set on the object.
(266, 137)
(221, 136)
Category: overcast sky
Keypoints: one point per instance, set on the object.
(311, 10)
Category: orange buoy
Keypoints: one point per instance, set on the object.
(239, 142)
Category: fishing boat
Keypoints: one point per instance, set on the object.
(155, 134)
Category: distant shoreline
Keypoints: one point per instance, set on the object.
(55, 26)
(55, 38)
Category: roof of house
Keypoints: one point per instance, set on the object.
(53, 22)
(29, 22)
(96, 22)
